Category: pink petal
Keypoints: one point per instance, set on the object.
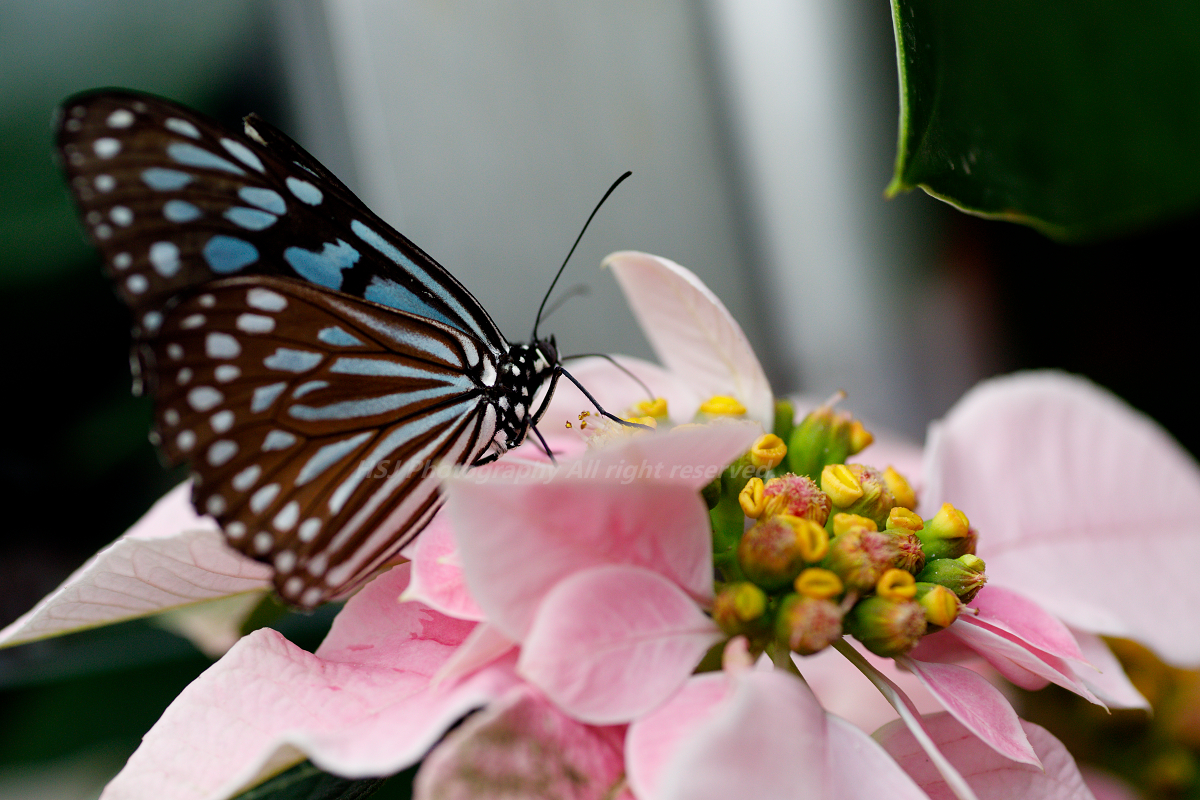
(692, 333)
(612, 642)
(437, 575)
(756, 734)
(689, 456)
(517, 541)
(361, 706)
(991, 775)
(1105, 676)
(978, 705)
(859, 769)
(1083, 505)
(482, 646)
(766, 739)
(522, 748)
(1003, 650)
(1010, 612)
(653, 738)
(170, 558)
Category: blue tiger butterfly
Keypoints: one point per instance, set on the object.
(293, 341)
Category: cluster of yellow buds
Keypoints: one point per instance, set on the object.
(816, 548)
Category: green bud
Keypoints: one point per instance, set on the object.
(777, 548)
(948, 534)
(886, 627)
(785, 416)
(824, 437)
(739, 608)
(859, 556)
(909, 555)
(963, 575)
(808, 624)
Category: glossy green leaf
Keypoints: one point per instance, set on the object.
(1079, 117)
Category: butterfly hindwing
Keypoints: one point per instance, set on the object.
(315, 421)
(174, 200)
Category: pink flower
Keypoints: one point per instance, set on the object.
(570, 608)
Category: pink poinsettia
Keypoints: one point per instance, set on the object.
(569, 607)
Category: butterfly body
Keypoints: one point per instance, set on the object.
(310, 363)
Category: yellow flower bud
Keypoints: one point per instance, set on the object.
(860, 437)
(900, 488)
(656, 408)
(722, 406)
(818, 583)
(896, 584)
(843, 522)
(768, 451)
(751, 498)
(839, 483)
(903, 519)
(941, 605)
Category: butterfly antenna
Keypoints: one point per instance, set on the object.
(618, 365)
(537, 320)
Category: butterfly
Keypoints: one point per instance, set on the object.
(311, 364)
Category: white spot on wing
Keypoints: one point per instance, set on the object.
(285, 561)
(121, 118)
(105, 183)
(247, 477)
(221, 421)
(121, 215)
(220, 451)
(183, 376)
(242, 154)
(175, 351)
(226, 373)
(192, 321)
(266, 300)
(182, 126)
(304, 191)
(255, 323)
(278, 440)
(106, 147)
(122, 260)
(263, 498)
(185, 440)
(265, 396)
(287, 517)
(215, 505)
(309, 529)
(164, 257)
(221, 345)
(136, 284)
(263, 541)
(204, 398)
(235, 530)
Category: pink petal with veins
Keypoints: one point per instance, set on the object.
(612, 642)
(362, 705)
(991, 775)
(977, 705)
(1083, 505)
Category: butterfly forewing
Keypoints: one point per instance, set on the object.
(315, 422)
(173, 201)
(312, 365)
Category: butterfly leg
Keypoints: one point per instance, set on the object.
(559, 370)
